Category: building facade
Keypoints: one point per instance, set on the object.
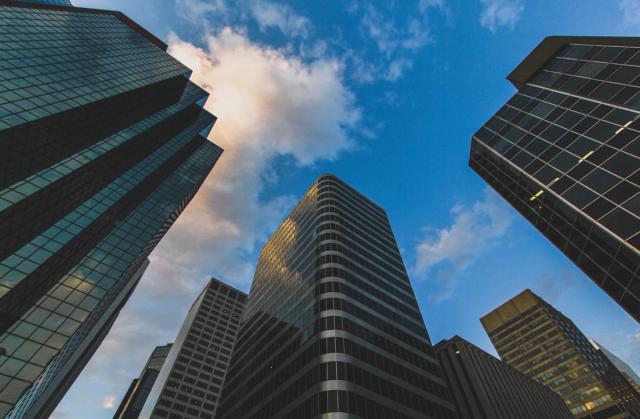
(483, 387)
(102, 145)
(332, 327)
(190, 381)
(624, 368)
(535, 338)
(48, 2)
(140, 387)
(565, 152)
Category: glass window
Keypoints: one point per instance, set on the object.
(600, 180)
(579, 196)
(622, 164)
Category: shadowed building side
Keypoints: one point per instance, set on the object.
(484, 387)
(140, 387)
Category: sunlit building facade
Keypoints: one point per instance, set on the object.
(538, 340)
(565, 152)
(332, 327)
(102, 145)
(483, 387)
(190, 382)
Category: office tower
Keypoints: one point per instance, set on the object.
(624, 368)
(565, 149)
(483, 387)
(332, 325)
(140, 387)
(102, 145)
(535, 338)
(190, 381)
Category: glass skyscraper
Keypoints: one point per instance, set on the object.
(102, 145)
(565, 152)
(332, 325)
(191, 379)
(535, 338)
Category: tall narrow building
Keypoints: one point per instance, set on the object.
(565, 152)
(102, 145)
(140, 387)
(484, 387)
(190, 382)
(535, 338)
(332, 325)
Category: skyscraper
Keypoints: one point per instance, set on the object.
(332, 324)
(535, 338)
(102, 145)
(565, 152)
(624, 368)
(190, 381)
(484, 387)
(140, 387)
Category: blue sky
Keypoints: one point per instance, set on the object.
(385, 95)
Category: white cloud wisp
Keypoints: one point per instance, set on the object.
(631, 11)
(444, 254)
(501, 13)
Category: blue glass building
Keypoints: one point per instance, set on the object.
(102, 145)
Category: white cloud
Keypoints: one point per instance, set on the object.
(499, 13)
(631, 11)
(397, 41)
(109, 402)
(270, 106)
(282, 16)
(196, 10)
(444, 254)
(267, 14)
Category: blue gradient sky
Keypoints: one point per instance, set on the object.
(385, 95)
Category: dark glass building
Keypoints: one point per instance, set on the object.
(102, 145)
(140, 387)
(332, 325)
(483, 387)
(190, 381)
(538, 340)
(565, 152)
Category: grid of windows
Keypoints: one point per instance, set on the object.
(52, 326)
(535, 338)
(102, 147)
(55, 60)
(331, 306)
(191, 380)
(565, 151)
